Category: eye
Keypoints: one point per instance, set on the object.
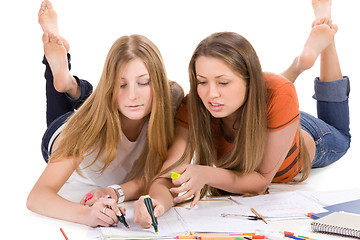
(223, 83)
(201, 82)
(122, 85)
(144, 83)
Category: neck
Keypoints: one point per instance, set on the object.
(132, 128)
(229, 126)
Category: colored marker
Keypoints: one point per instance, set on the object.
(220, 238)
(297, 238)
(121, 218)
(63, 233)
(175, 175)
(150, 208)
(89, 196)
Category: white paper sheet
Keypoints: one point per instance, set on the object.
(287, 205)
(169, 225)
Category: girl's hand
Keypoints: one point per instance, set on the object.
(192, 180)
(91, 197)
(104, 213)
(141, 214)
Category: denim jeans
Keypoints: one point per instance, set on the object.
(330, 130)
(59, 107)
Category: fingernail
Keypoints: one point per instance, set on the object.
(156, 213)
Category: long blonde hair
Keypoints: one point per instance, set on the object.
(96, 125)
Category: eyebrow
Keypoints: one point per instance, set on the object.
(143, 75)
(140, 76)
(220, 76)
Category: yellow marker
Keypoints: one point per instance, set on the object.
(175, 175)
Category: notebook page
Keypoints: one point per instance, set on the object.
(210, 220)
(281, 205)
(169, 225)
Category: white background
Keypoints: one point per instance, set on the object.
(277, 29)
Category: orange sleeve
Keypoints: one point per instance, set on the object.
(182, 116)
(282, 107)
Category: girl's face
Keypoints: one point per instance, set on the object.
(135, 95)
(222, 90)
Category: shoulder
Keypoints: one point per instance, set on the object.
(277, 84)
(282, 102)
(182, 116)
(177, 94)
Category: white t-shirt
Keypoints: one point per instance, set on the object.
(127, 153)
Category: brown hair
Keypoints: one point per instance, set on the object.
(250, 140)
(249, 143)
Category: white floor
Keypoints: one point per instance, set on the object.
(277, 30)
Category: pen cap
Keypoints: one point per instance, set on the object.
(175, 175)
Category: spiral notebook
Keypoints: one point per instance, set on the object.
(342, 223)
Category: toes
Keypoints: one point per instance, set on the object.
(45, 38)
(334, 27)
(48, 4)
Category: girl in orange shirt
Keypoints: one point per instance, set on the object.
(243, 128)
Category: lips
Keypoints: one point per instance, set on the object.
(215, 106)
(134, 107)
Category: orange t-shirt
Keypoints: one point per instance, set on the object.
(282, 110)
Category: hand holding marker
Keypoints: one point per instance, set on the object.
(121, 218)
(150, 208)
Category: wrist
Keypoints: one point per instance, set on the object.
(119, 192)
(208, 174)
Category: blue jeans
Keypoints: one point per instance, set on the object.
(330, 131)
(59, 107)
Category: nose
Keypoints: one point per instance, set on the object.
(133, 93)
(213, 90)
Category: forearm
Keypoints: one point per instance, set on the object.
(233, 182)
(133, 189)
(159, 190)
(48, 203)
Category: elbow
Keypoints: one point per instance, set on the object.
(259, 188)
(263, 189)
(31, 201)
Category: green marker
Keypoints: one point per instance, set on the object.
(150, 208)
(175, 175)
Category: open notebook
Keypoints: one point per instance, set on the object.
(342, 223)
(183, 221)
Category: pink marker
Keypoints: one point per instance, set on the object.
(89, 196)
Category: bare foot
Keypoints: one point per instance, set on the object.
(48, 21)
(321, 36)
(322, 8)
(56, 56)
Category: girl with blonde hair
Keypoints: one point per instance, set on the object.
(118, 137)
(243, 128)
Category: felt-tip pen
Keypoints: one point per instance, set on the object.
(150, 208)
(121, 218)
